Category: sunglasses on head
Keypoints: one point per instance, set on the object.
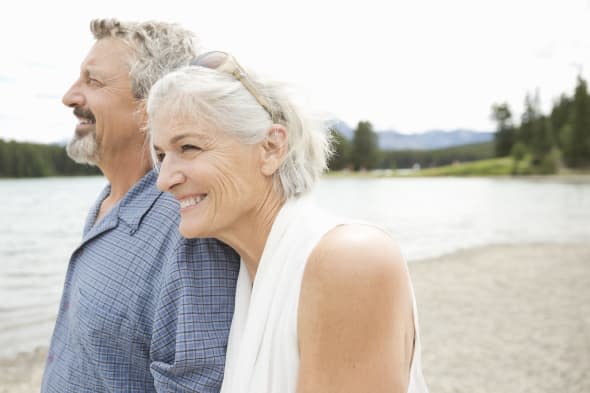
(225, 62)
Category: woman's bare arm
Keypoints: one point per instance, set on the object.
(355, 325)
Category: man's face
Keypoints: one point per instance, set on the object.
(108, 122)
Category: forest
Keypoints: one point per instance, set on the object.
(536, 143)
(19, 159)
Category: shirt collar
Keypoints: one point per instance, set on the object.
(138, 201)
(130, 210)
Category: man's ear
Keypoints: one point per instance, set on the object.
(141, 116)
(273, 149)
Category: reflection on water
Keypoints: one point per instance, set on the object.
(434, 216)
(42, 219)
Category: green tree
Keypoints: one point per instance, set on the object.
(37, 160)
(505, 134)
(518, 154)
(576, 139)
(560, 114)
(3, 159)
(529, 118)
(365, 150)
(541, 141)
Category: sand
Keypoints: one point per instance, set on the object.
(493, 319)
(23, 373)
(506, 319)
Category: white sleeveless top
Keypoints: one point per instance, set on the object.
(263, 353)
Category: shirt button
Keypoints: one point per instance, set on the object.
(50, 357)
(66, 305)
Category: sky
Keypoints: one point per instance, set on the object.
(409, 66)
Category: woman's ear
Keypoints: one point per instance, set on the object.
(274, 149)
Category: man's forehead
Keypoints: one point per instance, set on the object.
(105, 54)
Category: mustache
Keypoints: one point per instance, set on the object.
(84, 113)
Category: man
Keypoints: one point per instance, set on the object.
(143, 309)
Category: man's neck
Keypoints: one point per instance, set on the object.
(122, 173)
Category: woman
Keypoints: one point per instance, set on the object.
(322, 304)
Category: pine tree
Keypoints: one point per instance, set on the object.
(541, 143)
(505, 135)
(529, 119)
(560, 114)
(576, 138)
(365, 150)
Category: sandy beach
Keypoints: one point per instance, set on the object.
(506, 319)
(493, 319)
(23, 373)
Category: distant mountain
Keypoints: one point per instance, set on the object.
(429, 140)
(435, 139)
(342, 128)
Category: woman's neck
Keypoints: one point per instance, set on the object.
(248, 238)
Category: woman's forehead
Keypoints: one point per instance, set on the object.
(170, 129)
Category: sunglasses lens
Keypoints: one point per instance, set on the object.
(211, 60)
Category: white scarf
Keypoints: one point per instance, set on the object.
(263, 354)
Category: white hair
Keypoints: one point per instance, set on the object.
(220, 100)
(156, 48)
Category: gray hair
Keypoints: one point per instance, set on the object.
(218, 99)
(157, 48)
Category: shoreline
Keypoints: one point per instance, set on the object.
(507, 318)
(568, 177)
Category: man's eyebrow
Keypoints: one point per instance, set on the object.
(89, 70)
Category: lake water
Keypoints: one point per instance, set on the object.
(41, 223)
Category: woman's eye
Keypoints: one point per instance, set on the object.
(160, 157)
(187, 148)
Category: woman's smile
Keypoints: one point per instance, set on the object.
(192, 201)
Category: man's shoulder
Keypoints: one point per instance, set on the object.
(165, 210)
(205, 250)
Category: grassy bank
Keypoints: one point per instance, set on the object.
(491, 167)
(504, 166)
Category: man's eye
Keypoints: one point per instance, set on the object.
(93, 82)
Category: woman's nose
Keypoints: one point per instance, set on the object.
(169, 175)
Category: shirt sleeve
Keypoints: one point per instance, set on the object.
(193, 317)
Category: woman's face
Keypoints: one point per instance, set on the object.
(216, 179)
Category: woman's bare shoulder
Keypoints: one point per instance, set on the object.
(354, 251)
(355, 313)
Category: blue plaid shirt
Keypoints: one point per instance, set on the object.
(143, 310)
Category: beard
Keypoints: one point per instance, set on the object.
(84, 149)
